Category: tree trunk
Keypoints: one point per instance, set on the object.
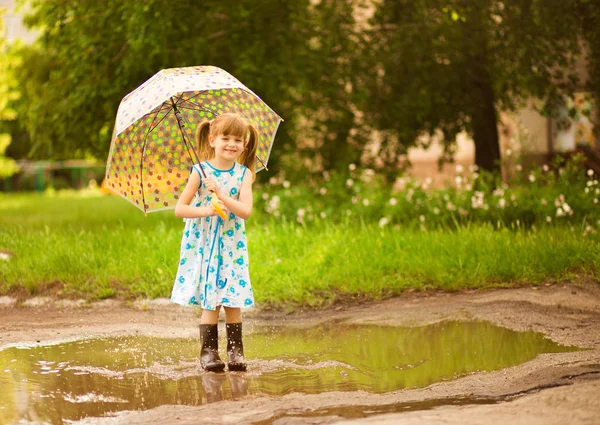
(484, 120)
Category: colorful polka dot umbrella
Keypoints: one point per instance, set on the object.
(153, 149)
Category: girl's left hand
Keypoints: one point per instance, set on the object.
(211, 185)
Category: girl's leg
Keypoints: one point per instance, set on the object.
(210, 317)
(235, 347)
(233, 315)
(209, 337)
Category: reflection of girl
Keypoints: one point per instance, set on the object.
(213, 268)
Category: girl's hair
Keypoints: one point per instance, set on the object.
(229, 125)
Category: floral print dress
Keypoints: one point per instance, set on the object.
(213, 265)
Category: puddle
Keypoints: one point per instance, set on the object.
(72, 380)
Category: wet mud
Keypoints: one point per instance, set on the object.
(466, 356)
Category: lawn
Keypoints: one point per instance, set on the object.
(93, 246)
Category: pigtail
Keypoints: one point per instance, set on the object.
(248, 158)
(205, 151)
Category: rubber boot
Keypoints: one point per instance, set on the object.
(235, 348)
(209, 352)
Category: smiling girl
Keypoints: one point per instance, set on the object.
(213, 267)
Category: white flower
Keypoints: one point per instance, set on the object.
(548, 219)
(393, 201)
(286, 184)
(301, 212)
(531, 178)
(428, 181)
(468, 186)
(352, 167)
(323, 215)
(587, 190)
(422, 218)
(590, 172)
(365, 202)
(595, 200)
(272, 205)
(502, 202)
(383, 221)
(566, 207)
(349, 183)
(273, 180)
(559, 212)
(458, 180)
(354, 199)
(508, 152)
(519, 167)
(265, 196)
(545, 168)
(475, 176)
(436, 210)
(544, 202)
(459, 168)
(323, 191)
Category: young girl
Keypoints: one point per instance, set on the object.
(213, 268)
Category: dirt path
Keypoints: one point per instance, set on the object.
(551, 389)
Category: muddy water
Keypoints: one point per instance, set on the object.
(71, 380)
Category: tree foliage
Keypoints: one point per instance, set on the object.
(452, 65)
(415, 67)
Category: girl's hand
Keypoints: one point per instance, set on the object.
(211, 209)
(211, 185)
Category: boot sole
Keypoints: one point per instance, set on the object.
(217, 368)
(236, 367)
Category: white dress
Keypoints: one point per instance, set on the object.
(213, 266)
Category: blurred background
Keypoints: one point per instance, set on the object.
(457, 139)
(404, 88)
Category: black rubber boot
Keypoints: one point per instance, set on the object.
(209, 352)
(235, 348)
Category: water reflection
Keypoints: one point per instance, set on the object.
(73, 380)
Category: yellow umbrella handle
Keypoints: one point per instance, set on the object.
(217, 207)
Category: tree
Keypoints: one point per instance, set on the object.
(452, 65)
(90, 54)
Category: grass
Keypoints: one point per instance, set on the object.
(81, 244)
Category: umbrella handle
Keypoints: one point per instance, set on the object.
(217, 207)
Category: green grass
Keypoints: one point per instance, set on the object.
(85, 245)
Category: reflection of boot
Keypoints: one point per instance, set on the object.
(239, 386)
(213, 385)
(209, 353)
(235, 348)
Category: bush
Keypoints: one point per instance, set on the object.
(564, 193)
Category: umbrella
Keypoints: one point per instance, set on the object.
(152, 148)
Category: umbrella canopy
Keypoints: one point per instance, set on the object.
(153, 148)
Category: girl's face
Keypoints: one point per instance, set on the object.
(227, 146)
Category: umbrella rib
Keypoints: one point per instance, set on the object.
(161, 120)
(163, 108)
(143, 153)
(199, 107)
(196, 95)
(183, 130)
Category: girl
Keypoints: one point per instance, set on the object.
(213, 268)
